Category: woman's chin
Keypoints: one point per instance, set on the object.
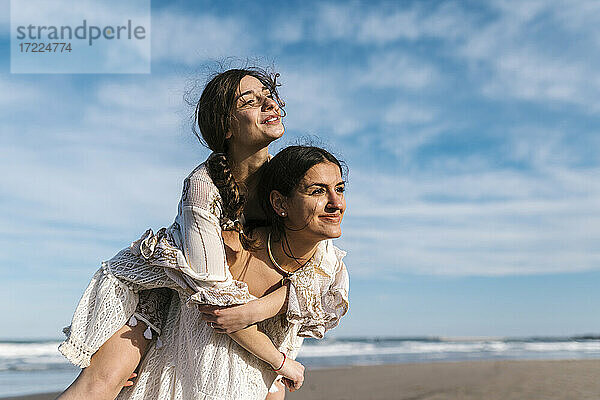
(277, 132)
(336, 235)
(332, 234)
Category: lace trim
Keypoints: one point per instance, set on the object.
(160, 250)
(137, 316)
(316, 324)
(318, 294)
(78, 353)
(234, 293)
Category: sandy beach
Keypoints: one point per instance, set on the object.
(489, 380)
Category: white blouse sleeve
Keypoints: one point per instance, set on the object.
(318, 294)
(192, 250)
(335, 299)
(200, 229)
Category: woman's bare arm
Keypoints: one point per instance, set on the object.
(261, 346)
(110, 366)
(232, 319)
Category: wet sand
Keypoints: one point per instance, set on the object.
(489, 380)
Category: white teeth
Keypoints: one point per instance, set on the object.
(271, 119)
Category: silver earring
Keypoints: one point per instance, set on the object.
(283, 213)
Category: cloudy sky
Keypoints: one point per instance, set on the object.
(471, 131)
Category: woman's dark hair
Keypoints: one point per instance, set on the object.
(284, 173)
(213, 118)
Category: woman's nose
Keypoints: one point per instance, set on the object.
(270, 104)
(335, 201)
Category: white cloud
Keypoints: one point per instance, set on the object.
(340, 101)
(332, 21)
(17, 93)
(193, 39)
(580, 15)
(289, 30)
(523, 74)
(396, 70)
(407, 134)
(403, 113)
(76, 203)
(85, 186)
(538, 51)
(322, 102)
(387, 23)
(482, 223)
(143, 109)
(523, 53)
(541, 148)
(389, 27)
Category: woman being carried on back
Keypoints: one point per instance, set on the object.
(238, 115)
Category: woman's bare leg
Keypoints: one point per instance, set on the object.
(278, 395)
(110, 367)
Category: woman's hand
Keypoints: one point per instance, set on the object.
(293, 374)
(228, 319)
(130, 380)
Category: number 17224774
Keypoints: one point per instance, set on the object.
(54, 47)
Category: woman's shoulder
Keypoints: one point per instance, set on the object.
(200, 173)
(198, 187)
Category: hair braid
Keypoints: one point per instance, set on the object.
(213, 117)
(231, 196)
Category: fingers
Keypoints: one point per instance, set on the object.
(213, 310)
(289, 384)
(300, 382)
(207, 309)
(209, 317)
(217, 327)
(130, 380)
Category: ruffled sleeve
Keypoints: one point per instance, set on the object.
(192, 250)
(187, 257)
(318, 295)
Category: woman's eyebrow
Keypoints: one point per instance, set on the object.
(245, 93)
(264, 88)
(323, 184)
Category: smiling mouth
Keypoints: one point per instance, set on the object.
(272, 120)
(331, 218)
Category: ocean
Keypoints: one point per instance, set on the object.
(28, 367)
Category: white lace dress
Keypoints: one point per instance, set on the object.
(194, 362)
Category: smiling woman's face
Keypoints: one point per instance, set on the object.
(317, 206)
(257, 119)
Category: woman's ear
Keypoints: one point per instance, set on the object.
(279, 203)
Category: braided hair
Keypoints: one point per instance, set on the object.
(213, 118)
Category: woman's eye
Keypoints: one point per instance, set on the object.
(246, 102)
(317, 191)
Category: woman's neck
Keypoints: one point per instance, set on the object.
(245, 162)
(293, 252)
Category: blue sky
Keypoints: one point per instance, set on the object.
(471, 131)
